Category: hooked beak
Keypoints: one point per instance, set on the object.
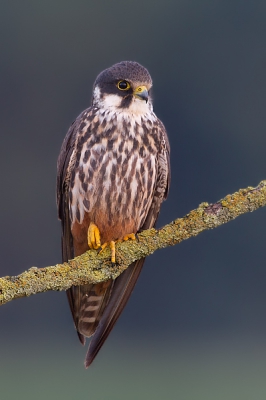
(141, 92)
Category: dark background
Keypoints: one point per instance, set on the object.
(195, 327)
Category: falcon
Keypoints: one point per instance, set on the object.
(113, 173)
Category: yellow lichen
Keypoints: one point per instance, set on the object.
(92, 267)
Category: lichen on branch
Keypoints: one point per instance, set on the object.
(91, 267)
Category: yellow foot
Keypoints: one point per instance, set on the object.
(94, 238)
(112, 247)
(130, 236)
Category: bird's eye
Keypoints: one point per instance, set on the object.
(123, 85)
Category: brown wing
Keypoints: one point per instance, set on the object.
(125, 283)
(65, 165)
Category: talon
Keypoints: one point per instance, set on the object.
(112, 246)
(94, 238)
(103, 246)
(130, 236)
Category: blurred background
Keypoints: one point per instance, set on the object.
(195, 327)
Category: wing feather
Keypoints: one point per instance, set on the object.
(65, 164)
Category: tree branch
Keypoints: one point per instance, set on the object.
(91, 267)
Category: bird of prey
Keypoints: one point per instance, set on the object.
(113, 173)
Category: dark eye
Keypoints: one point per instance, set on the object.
(123, 85)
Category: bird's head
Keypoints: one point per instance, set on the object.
(124, 86)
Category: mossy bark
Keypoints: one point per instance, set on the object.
(91, 267)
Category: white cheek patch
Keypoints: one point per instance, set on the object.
(108, 101)
(111, 101)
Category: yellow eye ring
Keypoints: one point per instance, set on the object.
(123, 85)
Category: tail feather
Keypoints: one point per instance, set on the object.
(121, 292)
(93, 300)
